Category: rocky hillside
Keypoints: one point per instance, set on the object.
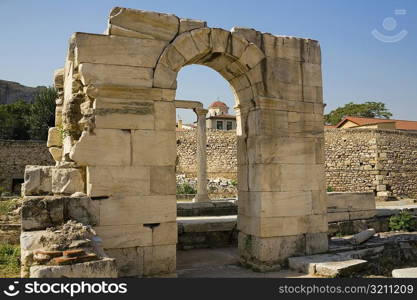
(12, 91)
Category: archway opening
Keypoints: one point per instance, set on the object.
(198, 245)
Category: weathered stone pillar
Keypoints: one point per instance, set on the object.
(202, 195)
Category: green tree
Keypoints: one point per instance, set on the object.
(366, 110)
(13, 121)
(42, 114)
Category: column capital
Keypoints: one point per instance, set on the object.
(200, 111)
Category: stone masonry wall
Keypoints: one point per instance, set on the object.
(397, 162)
(221, 153)
(351, 157)
(15, 155)
(357, 160)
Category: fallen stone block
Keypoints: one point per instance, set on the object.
(339, 268)
(105, 268)
(363, 236)
(405, 273)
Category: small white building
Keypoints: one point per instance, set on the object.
(218, 117)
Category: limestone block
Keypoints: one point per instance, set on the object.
(337, 216)
(116, 50)
(282, 226)
(405, 273)
(129, 261)
(67, 146)
(185, 45)
(67, 181)
(239, 83)
(268, 122)
(249, 34)
(165, 233)
(56, 153)
(41, 213)
(276, 204)
(120, 31)
(219, 40)
(82, 209)
(165, 118)
(111, 113)
(365, 214)
(285, 71)
(124, 236)
(319, 201)
(155, 94)
(267, 149)
(316, 243)
(251, 56)
(201, 38)
(172, 59)
(164, 77)
(58, 115)
(312, 176)
(350, 201)
(147, 24)
(104, 75)
(312, 75)
(282, 47)
(218, 62)
(59, 78)
(238, 45)
(232, 69)
(54, 138)
(311, 52)
(162, 180)
(190, 24)
(339, 268)
(106, 147)
(264, 177)
(159, 260)
(154, 148)
(104, 268)
(112, 181)
(270, 251)
(133, 210)
(38, 180)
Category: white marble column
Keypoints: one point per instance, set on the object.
(202, 195)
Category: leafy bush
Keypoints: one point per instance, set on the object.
(403, 221)
(330, 189)
(233, 182)
(23, 121)
(186, 189)
(9, 260)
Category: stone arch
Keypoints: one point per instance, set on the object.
(228, 53)
(114, 138)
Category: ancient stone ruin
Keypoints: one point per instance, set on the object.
(115, 148)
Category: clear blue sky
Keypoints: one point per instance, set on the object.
(356, 66)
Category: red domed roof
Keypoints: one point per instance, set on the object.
(218, 104)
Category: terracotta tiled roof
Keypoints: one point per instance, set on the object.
(218, 104)
(399, 124)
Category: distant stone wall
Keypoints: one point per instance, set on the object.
(370, 160)
(221, 153)
(15, 155)
(350, 158)
(357, 160)
(397, 163)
